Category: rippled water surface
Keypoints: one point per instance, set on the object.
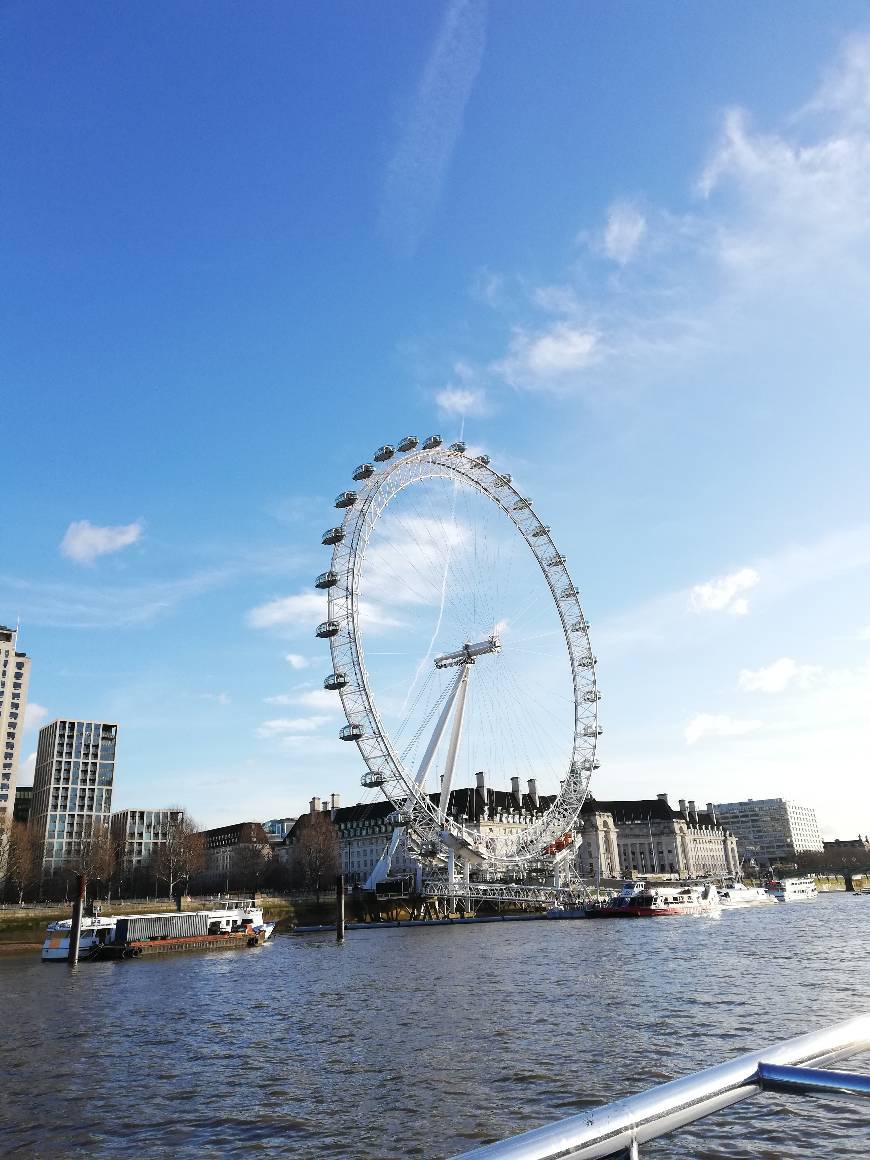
(424, 1042)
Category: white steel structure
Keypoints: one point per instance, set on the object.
(437, 555)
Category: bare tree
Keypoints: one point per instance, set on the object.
(182, 855)
(23, 859)
(250, 862)
(315, 853)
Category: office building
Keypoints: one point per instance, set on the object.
(137, 834)
(72, 788)
(14, 679)
(23, 801)
(771, 828)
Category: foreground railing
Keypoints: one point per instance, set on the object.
(617, 1129)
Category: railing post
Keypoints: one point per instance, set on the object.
(339, 908)
(76, 928)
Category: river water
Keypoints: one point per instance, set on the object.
(424, 1042)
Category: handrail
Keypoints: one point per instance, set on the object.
(617, 1128)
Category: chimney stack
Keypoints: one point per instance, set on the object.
(324, 807)
(663, 797)
(683, 809)
(711, 810)
(693, 813)
(481, 784)
(335, 801)
(515, 790)
(314, 805)
(533, 791)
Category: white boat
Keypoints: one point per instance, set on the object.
(736, 894)
(792, 889)
(95, 932)
(113, 936)
(641, 900)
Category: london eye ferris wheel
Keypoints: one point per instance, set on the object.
(461, 655)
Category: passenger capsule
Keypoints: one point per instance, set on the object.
(335, 681)
(372, 779)
(350, 732)
(483, 460)
(588, 661)
(458, 447)
(364, 471)
(408, 443)
(326, 580)
(384, 453)
(557, 561)
(399, 818)
(433, 441)
(570, 592)
(543, 530)
(580, 626)
(521, 505)
(504, 481)
(346, 499)
(332, 536)
(588, 764)
(592, 731)
(591, 696)
(327, 629)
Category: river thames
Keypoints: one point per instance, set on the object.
(424, 1042)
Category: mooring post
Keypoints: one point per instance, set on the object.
(76, 929)
(339, 908)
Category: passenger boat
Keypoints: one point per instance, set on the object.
(640, 900)
(736, 894)
(792, 889)
(132, 935)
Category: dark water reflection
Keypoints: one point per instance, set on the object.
(411, 1043)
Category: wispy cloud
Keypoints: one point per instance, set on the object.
(724, 593)
(218, 698)
(84, 542)
(624, 231)
(303, 611)
(548, 359)
(452, 401)
(717, 725)
(321, 699)
(776, 677)
(34, 715)
(431, 126)
(296, 661)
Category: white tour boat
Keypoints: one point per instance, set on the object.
(736, 894)
(642, 900)
(792, 889)
(228, 924)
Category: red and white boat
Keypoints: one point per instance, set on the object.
(641, 900)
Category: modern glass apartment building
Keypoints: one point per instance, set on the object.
(138, 833)
(72, 787)
(771, 827)
(14, 678)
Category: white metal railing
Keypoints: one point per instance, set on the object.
(618, 1129)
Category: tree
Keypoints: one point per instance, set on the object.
(23, 859)
(182, 855)
(250, 862)
(315, 854)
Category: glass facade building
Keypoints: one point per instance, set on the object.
(72, 787)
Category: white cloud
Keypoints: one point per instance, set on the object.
(218, 698)
(84, 541)
(296, 661)
(624, 231)
(547, 359)
(34, 715)
(461, 401)
(717, 725)
(308, 698)
(285, 727)
(27, 769)
(864, 633)
(417, 170)
(775, 677)
(305, 610)
(722, 594)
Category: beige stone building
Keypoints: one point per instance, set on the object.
(14, 679)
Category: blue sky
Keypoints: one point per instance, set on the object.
(626, 245)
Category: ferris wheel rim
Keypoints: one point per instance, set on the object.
(385, 768)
